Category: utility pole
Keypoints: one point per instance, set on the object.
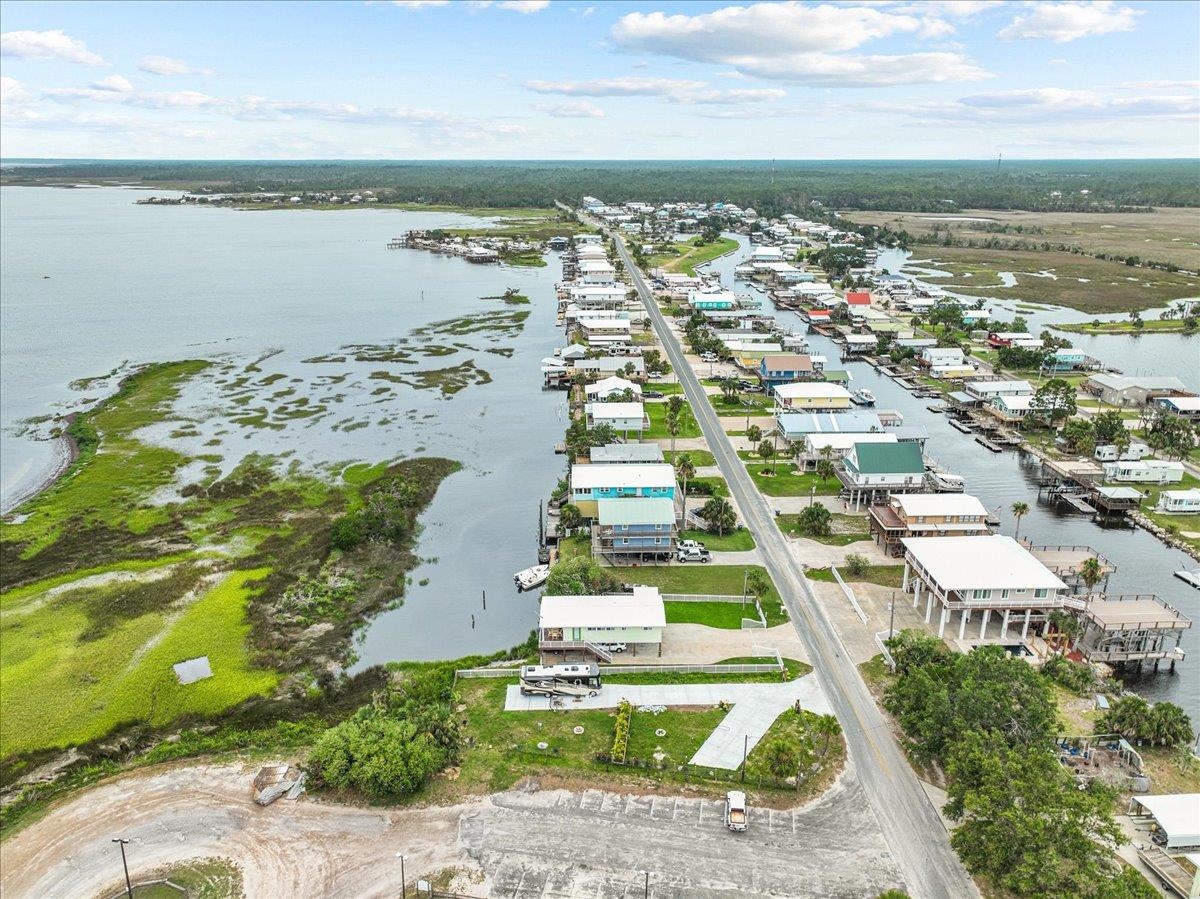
(892, 622)
(745, 755)
(646, 889)
(403, 886)
(121, 841)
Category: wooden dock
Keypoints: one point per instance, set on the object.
(1078, 503)
(987, 444)
(959, 426)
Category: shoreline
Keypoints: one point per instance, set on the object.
(65, 448)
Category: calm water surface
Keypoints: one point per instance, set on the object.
(91, 284)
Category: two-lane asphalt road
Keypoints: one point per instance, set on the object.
(911, 826)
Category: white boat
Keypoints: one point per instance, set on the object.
(945, 482)
(863, 397)
(531, 577)
(1189, 576)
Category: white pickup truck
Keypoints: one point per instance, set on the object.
(735, 810)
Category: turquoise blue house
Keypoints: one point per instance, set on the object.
(592, 483)
(1067, 360)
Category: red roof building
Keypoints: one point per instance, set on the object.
(858, 298)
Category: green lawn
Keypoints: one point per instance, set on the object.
(1125, 326)
(700, 458)
(58, 690)
(884, 575)
(739, 541)
(718, 580)
(785, 480)
(570, 547)
(792, 668)
(715, 485)
(751, 404)
(657, 413)
(727, 615)
(821, 757)
(684, 257)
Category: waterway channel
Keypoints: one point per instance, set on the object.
(1144, 564)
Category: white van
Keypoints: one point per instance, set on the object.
(735, 810)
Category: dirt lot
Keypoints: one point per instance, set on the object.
(522, 843)
(1165, 235)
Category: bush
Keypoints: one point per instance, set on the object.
(1076, 677)
(620, 745)
(381, 757)
(856, 564)
(814, 521)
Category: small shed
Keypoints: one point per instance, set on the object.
(1176, 817)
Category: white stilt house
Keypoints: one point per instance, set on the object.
(985, 575)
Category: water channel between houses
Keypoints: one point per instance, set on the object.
(1144, 564)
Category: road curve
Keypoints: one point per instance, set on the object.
(910, 824)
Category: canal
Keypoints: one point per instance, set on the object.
(1144, 564)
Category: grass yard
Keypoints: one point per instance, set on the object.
(725, 615)
(845, 529)
(710, 485)
(884, 575)
(1079, 282)
(714, 580)
(740, 540)
(657, 413)
(792, 668)
(200, 878)
(786, 479)
(57, 690)
(745, 404)
(700, 458)
(684, 257)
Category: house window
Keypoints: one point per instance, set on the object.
(1041, 593)
(981, 594)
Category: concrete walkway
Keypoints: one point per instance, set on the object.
(741, 557)
(755, 708)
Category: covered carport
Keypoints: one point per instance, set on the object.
(1174, 819)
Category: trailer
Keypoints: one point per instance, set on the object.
(580, 679)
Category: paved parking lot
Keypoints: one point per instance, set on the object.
(598, 844)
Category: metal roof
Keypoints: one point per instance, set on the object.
(641, 608)
(993, 562)
(1178, 814)
(851, 422)
(626, 452)
(918, 504)
(636, 510)
(584, 477)
(887, 458)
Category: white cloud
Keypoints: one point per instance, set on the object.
(1049, 105)
(47, 45)
(794, 42)
(419, 4)
(118, 83)
(1062, 21)
(12, 91)
(676, 90)
(571, 109)
(524, 6)
(166, 65)
(616, 87)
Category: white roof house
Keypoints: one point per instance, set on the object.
(1179, 501)
(938, 505)
(604, 477)
(637, 617)
(812, 394)
(622, 416)
(1177, 815)
(979, 573)
(843, 443)
(610, 386)
(988, 389)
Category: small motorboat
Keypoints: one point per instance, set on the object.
(1191, 576)
(531, 577)
(863, 397)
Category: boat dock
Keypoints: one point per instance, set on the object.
(1078, 503)
(987, 444)
(960, 426)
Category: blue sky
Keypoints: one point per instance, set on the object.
(518, 79)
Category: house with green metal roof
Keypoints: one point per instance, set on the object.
(634, 529)
(873, 470)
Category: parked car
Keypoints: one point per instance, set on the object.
(690, 545)
(694, 555)
(613, 647)
(708, 357)
(653, 394)
(735, 810)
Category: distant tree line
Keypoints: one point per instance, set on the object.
(771, 187)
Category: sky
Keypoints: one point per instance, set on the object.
(559, 79)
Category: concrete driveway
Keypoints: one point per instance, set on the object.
(698, 644)
(755, 708)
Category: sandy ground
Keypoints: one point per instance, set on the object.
(293, 849)
(695, 644)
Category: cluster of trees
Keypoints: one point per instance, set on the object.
(1161, 724)
(1105, 429)
(1053, 402)
(388, 515)
(836, 261)
(989, 720)
(1171, 436)
(771, 187)
(389, 748)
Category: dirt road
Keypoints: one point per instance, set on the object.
(293, 849)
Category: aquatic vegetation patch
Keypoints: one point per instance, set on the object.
(498, 323)
(447, 380)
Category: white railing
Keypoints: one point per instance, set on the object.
(887, 654)
(849, 594)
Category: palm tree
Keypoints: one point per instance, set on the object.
(825, 470)
(1169, 725)
(672, 426)
(570, 519)
(827, 727)
(766, 451)
(1090, 572)
(1020, 510)
(685, 470)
